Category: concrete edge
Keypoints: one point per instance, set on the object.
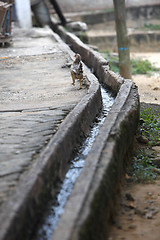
(93, 60)
(139, 41)
(27, 200)
(117, 150)
(90, 17)
(92, 201)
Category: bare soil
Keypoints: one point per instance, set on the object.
(138, 219)
(138, 213)
(148, 85)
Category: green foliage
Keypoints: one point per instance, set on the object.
(143, 171)
(143, 168)
(113, 61)
(152, 26)
(114, 66)
(151, 126)
(138, 66)
(108, 10)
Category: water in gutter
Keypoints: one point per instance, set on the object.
(55, 210)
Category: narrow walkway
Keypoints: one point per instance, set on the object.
(35, 96)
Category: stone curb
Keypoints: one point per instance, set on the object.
(93, 60)
(92, 201)
(139, 41)
(26, 202)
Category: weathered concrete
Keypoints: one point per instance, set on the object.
(93, 198)
(140, 41)
(101, 25)
(137, 16)
(36, 95)
(38, 129)
(82, 5)
(91, 203)
(93, 60)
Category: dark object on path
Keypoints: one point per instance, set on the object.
(129, 197)
(41, 13)
(59, 12)
(5, 22)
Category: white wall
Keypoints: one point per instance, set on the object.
(23, 12)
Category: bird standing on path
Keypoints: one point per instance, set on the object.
(77, 70)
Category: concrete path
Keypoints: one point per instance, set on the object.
(35, 96)
(42, 105)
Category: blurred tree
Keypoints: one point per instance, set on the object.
(122, 38)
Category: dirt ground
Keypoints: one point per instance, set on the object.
(138, 214)
(148, 85)
(138, 218)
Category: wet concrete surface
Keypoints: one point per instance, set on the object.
(35, 96)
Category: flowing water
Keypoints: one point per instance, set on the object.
(56, 209)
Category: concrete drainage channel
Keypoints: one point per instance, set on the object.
(56, 208)
(92, 199)
(26, 205)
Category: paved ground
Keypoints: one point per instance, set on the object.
(35, 96)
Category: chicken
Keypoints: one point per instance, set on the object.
(77, 70)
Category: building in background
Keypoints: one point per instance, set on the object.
(89, 5)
